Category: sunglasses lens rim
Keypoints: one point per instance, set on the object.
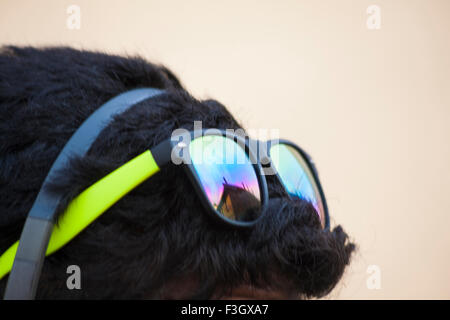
(308, 170)
(248, 167)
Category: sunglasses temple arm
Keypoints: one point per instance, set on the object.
(162, 153)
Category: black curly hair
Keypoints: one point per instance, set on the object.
(156, 242)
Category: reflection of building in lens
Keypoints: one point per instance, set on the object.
(237, 203)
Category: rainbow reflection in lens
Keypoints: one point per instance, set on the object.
(227, 177)
(296, 176)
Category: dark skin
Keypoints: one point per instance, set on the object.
(245, 292)
(182, 289)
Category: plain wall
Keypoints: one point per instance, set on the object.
(371, 106)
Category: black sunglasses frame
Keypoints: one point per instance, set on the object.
(176, 150)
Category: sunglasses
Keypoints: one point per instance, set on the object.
(226, 170)
(227, 173)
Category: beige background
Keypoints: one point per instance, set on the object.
(371, 106)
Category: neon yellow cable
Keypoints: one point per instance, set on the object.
(91, 203)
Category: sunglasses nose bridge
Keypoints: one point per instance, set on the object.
(260, 149)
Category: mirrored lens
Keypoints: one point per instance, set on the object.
(227, 177)
(296, 176)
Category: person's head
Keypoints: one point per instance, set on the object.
(157, 242)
